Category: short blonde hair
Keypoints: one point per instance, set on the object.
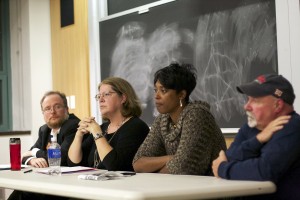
(132, 105)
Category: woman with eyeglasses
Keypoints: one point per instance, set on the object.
(113, 144)
(184, 138)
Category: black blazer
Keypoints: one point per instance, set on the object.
(64, 138)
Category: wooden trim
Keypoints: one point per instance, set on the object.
(8, 133)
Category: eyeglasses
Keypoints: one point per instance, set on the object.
(105, 95)
(55, 108)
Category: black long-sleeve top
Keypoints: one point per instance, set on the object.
(125, 143)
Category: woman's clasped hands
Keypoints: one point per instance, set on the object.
(88, 125)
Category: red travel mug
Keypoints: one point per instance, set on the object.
(15, 153)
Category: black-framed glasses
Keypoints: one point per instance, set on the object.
(55, 108)
(105, 95)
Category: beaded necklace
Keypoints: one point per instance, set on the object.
(96, 156)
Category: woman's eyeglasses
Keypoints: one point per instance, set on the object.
(105, 95)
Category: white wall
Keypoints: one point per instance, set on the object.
(31, 68)
(40, 58)
(93, 16)
(288, 39)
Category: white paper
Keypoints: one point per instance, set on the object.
(65, 170)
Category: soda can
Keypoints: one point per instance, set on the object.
(15, 153)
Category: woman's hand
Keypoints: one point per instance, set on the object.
(84, 126)
(89, 125)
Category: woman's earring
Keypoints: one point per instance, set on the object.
(180, 103)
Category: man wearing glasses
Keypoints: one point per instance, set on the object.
(55, 110)
(58, 121)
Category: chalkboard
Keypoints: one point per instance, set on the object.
(115, 6)
(229, 43)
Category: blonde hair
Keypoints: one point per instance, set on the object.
(132, 106)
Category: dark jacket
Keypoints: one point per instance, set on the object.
(64, 138)
(278, 160)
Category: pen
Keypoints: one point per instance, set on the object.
(28, 171)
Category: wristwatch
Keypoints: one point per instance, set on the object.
(97, 136)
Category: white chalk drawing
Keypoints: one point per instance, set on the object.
(223, 47)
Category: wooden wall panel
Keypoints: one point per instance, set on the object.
(228, 141)
(70, 56)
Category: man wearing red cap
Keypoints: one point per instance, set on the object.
(267, 148)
